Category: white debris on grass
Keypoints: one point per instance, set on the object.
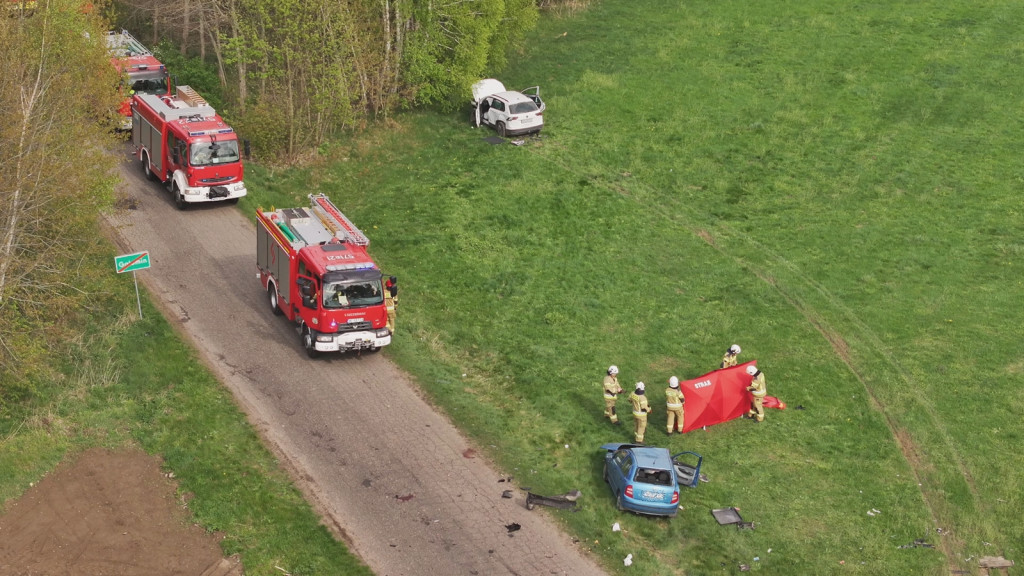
(616, 527)
(628, 560)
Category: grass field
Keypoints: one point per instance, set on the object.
(832, 186)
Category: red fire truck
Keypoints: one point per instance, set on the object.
(315, 268)
(141, 72)
(183, 142)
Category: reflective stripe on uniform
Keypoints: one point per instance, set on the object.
(674, 405)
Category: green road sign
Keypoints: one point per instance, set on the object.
(131, 262)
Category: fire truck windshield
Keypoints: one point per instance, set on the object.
(210, 153)
(156, 86)
(353, 294)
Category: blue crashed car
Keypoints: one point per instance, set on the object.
(646, 479)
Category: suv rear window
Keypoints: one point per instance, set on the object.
(522, 108)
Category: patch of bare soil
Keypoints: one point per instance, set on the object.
(106, 514)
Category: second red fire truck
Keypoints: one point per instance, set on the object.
(182, 142)
(316, 271)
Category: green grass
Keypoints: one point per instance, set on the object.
(127, 383)
(832, 186)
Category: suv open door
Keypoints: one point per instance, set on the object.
(533, 93)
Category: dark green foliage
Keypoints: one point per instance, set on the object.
(193, 71)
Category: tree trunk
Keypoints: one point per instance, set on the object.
(243, 94)
(202, 37)
(186, 23)
(215, 44)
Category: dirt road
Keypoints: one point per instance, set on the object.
(385, 470)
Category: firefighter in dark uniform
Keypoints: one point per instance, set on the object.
(640, 411)
(757, 391)
(729, 360)
(611, 393)
(674, 404)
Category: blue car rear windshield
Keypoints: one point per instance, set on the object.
(653, 476)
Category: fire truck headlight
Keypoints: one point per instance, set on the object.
(382, 333)
(324, 337)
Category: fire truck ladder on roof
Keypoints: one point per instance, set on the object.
(124, 44)
(188, 95)
(336, 222)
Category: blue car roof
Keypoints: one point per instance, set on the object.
(646, 456)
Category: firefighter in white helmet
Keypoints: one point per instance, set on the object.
(757, 391)
(674, 404)
(640, 411)
(729, 360)
(611, 393)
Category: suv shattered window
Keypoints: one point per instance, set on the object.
(523, 108)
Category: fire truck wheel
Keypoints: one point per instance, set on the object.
(145, 167)
(275, 305)
(309, 342)
(179, 198)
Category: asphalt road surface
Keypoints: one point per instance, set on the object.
(388, 474)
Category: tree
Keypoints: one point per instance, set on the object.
(58, 102)
(301, 70)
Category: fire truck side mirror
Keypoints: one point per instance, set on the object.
(306, 290)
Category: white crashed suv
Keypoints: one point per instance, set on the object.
(510, 113)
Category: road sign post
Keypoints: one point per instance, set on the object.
(131, 263)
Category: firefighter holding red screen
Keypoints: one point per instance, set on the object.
(640, 410)
(674, 404)
(757, 390)
(729, 359)
(611, 393)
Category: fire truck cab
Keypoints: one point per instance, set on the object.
(141, 72)
(316, 271)
(182, 142)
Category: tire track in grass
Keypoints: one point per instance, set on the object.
(951, 545)
(682, 216)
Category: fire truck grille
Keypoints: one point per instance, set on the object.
(355, 326)
(216, 180)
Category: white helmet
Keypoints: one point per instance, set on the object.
(734, 349)
(639, 385)
(673, 382)
(751, 369)
(613, 369)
